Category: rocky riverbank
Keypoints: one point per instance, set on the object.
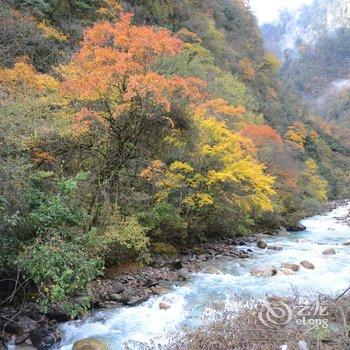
(125, 287)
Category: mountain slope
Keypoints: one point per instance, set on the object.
(315, 43)
(145, 133)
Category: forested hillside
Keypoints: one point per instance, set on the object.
(316, 54)
(143, 126)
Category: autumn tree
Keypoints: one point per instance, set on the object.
(219, 179)
(119, 104)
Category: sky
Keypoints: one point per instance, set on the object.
(267, 10)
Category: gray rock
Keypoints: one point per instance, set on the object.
(58, 314)
(117, 287)
(181, 278)
(264, 271)
(329, 251)
(282, 231)
(212, 270)
(134, 296)
(293, 267)
(274, 247)
(44, 337)
(243, 255)
(262, 244)
(176, 265)
(137, 300)
(285, 272)
(115, 297)
(164, 306)
(307, 265)
(159, 290)
(21, 325)
(296, 228)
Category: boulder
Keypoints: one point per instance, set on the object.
(293, 267)
(90, 344)
(44, 337)
(58, 314)
(264, 271)
(285, 272)
(307, 265)
(22, 325)
(176, 265)
(211, 270)
(159, 290)
(117, 287)
(134, 296)
(243, 255)
(329, 251)
(137, 300)
(115, 297)
(296, 228)
(281, 231)
(181, 278)
(164, 306)
(347, 243)
(275, 247)
(261, 244)
(149, 282)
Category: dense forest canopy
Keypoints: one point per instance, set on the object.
(131, 127)
(316, 51)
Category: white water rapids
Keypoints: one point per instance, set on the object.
(192, 301)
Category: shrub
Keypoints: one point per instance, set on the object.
(62, 272)
(163, 219)
(125, 238)
(60, 259)
(164, 249)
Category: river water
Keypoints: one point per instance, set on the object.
(192, 303)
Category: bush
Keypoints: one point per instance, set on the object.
(125, 238)
(62, 272)
(60, 259)
(164, 249)
(163, 219)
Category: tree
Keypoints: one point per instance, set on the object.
(219, 177)
(119, 104)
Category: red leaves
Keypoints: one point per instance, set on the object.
(262, 135)
(116, 63)
(122, 40)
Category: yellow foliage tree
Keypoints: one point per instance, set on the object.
(220, 171)
(312, 183)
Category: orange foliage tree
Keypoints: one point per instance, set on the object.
(119, 103)
(262, 135)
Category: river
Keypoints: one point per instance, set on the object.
(191, 304)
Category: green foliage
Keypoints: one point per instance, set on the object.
(62, 271)
(56, 8)
(164, 249)
(125, 238)
(60, 212)
(165, 218)
(60, 259)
